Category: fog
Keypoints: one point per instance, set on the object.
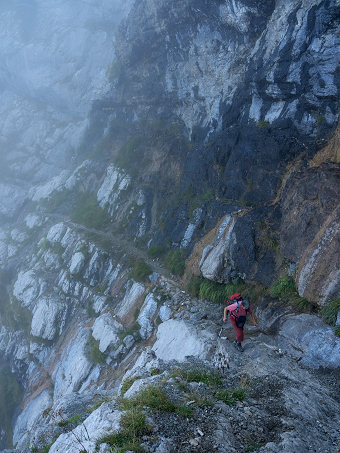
(54, 62)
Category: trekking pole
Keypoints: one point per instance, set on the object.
(219, 334)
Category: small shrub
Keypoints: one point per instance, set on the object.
(129, 153)
(155, 371)
(175, 261)
(184, 411)
(96, 355)
(87, 212)
(141, 270)
(330, 312)
(212, 378)
(156, 251)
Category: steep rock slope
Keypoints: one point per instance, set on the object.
(208, 121)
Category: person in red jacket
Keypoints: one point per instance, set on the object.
(238, 310)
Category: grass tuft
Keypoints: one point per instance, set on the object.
(330, 312)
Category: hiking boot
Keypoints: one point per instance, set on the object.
(238, 346)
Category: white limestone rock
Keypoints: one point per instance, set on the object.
(26, 288)
(29, 417)
(105, 330)
(103, 421)
(132, 294)
(56, 232)
(165, 313)
(74, 366)
(114, 183)
(33, 221)
(309, 338)
(77, 262)
(45, 190)
(213, 257)
(146, 316)
(177, 339)
(49, 317)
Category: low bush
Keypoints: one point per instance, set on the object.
(96, 355)
(88, 212)
(175, 261)
(140, 272)
(156, 251)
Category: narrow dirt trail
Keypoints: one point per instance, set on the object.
(118, 242)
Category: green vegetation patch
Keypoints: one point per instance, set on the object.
(75, 420)
(95, 353)
(140, 272)
(157, 251)
(330, 312)
(156, 399)
(220, 292)
(230, 396)
(263, 124)
(285, 289)
(127, 384)
(88, 212)
(129, 438)
(10, 398)
(174, 261)
(130, 153)
(211, 378)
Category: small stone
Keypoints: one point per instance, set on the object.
(200, 432)
(193, 442)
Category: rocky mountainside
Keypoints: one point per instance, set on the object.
(155, 158)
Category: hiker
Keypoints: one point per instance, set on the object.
(238, 309)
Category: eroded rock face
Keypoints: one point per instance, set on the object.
(232, 254)
(310, 231)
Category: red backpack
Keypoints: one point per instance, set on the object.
(239, 319)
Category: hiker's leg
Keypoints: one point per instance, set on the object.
(238, 330)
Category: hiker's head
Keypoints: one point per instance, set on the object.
(236, 297)
(245, 303)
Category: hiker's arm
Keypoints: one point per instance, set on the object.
(254, 320)
(225, 314)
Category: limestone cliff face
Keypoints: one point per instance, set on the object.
(220, 97)
(165, 123)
